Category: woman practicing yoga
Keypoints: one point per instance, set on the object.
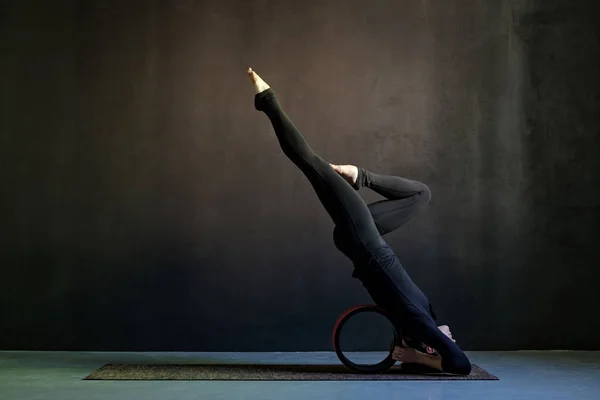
(358, 234)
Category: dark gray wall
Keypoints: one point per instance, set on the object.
(147, 206)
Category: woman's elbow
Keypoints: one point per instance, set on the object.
(459, 365)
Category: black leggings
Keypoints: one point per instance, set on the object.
(405, 198)
(358, 226)
(359, 229)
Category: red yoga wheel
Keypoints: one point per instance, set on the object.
(375, 368)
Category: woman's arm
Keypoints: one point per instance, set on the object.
(450, 359)
(412, 356)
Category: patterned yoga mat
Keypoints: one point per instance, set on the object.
(269, 372)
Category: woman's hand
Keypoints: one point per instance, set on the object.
(409, 355)
(405, 353)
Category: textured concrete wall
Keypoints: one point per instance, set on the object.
(147, 205)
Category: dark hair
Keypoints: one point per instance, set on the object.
(417, 345)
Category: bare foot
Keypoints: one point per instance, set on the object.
(446, 331)
(348, 172)
(259, 84)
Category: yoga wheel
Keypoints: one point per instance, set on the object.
(364, 366)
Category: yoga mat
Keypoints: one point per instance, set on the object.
(269, 372)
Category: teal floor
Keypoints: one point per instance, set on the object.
(523, 375)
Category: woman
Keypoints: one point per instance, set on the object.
(358, 234)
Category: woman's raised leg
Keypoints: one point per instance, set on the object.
(346, 208)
